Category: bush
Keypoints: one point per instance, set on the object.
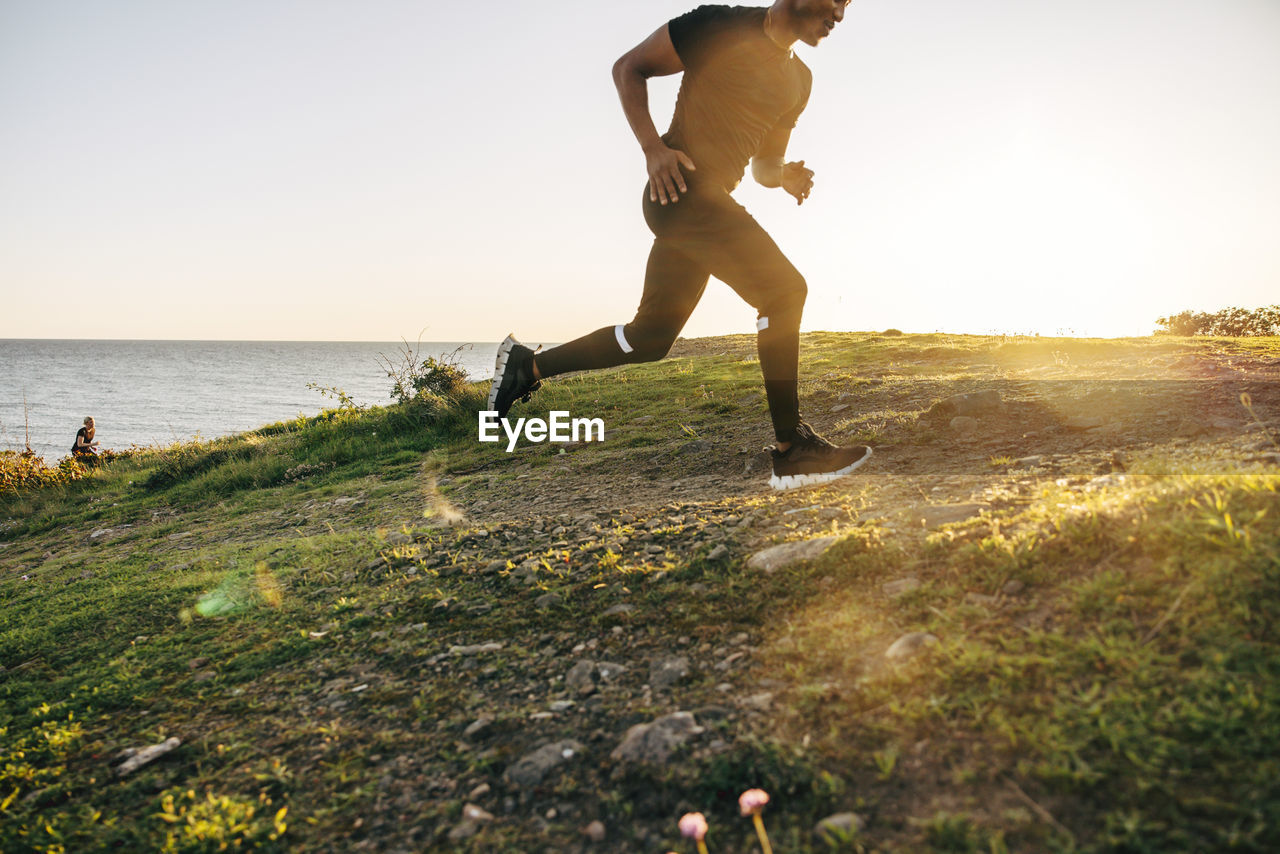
(415, 377)
(1230, 322)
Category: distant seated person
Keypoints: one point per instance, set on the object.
(85, 446)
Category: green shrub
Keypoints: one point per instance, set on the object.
(1229, 322)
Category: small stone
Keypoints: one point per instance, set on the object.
(147, 755)
(841, 827)
(1084, 422)
(463, 830)
(1013, 587)
(933, 515)
(561, 705)
(471, 812)
(197, 663)
(761, 702)
(478, 727)
(981, 599)
(839, 407)
(594, 831)
(530, 769)
(901, 586)
(548, 600)
(964, 425)
(909, 645)
(974, 403)
(475, 649)
(718, 552)
(479, 792)
(1029, 462)
(655, 742)
(665, 672)
(399, 538)
(786, 554)
(581, 678)
(618, 610)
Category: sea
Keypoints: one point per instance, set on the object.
(147, 393)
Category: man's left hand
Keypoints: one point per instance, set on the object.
(797, 180)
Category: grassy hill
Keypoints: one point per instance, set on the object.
(1042, 618)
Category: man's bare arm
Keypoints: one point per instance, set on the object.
(769, 170)
(654, 57)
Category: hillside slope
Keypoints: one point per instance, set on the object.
(1042, 618)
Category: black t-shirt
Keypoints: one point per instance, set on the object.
(740, 93)
(83, 433)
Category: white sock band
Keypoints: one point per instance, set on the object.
(622, 339)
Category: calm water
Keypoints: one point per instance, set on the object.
(149, 392)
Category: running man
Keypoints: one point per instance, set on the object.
(742, 92)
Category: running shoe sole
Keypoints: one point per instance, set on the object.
(499, 368)
(800, 481)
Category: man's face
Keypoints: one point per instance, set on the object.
(817, 18)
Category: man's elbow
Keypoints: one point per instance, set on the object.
(624, 69)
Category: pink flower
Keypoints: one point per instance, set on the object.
(693, 825)
(752, 801)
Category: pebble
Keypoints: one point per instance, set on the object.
(787, 554)
(665, 672)
(530, 769)
(909, 645)
(548, 600)
(594, 831)
(479, 792)
(901, 586)
(718, 552)
(1013, 587)
(655, 742)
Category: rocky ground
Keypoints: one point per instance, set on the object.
(575, 648)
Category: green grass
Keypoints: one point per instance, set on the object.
(1122, 695)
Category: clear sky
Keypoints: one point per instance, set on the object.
(311, 169)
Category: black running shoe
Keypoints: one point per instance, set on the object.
(512, 376)
(812, 460)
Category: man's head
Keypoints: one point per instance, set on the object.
(813, 20)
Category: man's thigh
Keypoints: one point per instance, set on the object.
(723, 239)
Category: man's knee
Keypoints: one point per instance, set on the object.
(785, 304)
(644, 344)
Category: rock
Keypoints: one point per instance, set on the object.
(471, 812)
(463, 830)
(135, 758)
(477, 727)
(475, 649)
(398, 538)
(902, 585)
(761, 702)
(530, 769)
(479, 792)
(618, 610)
(909, 645)
(839, 407)
(718, 552)
(665, 672)
(561, 705)
(841, 827)
(197, 663)
(933, 515)
(968, 405)
(758, 462)
(581, 678)
(548, 600)
(594, 831)
(1029, 462)
(655, 742)
(964, 425)
(1084, 422)
(781, 556)
(609, 671)
(1012, 587)
(981, 599)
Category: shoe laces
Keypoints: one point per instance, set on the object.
(807, 434)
